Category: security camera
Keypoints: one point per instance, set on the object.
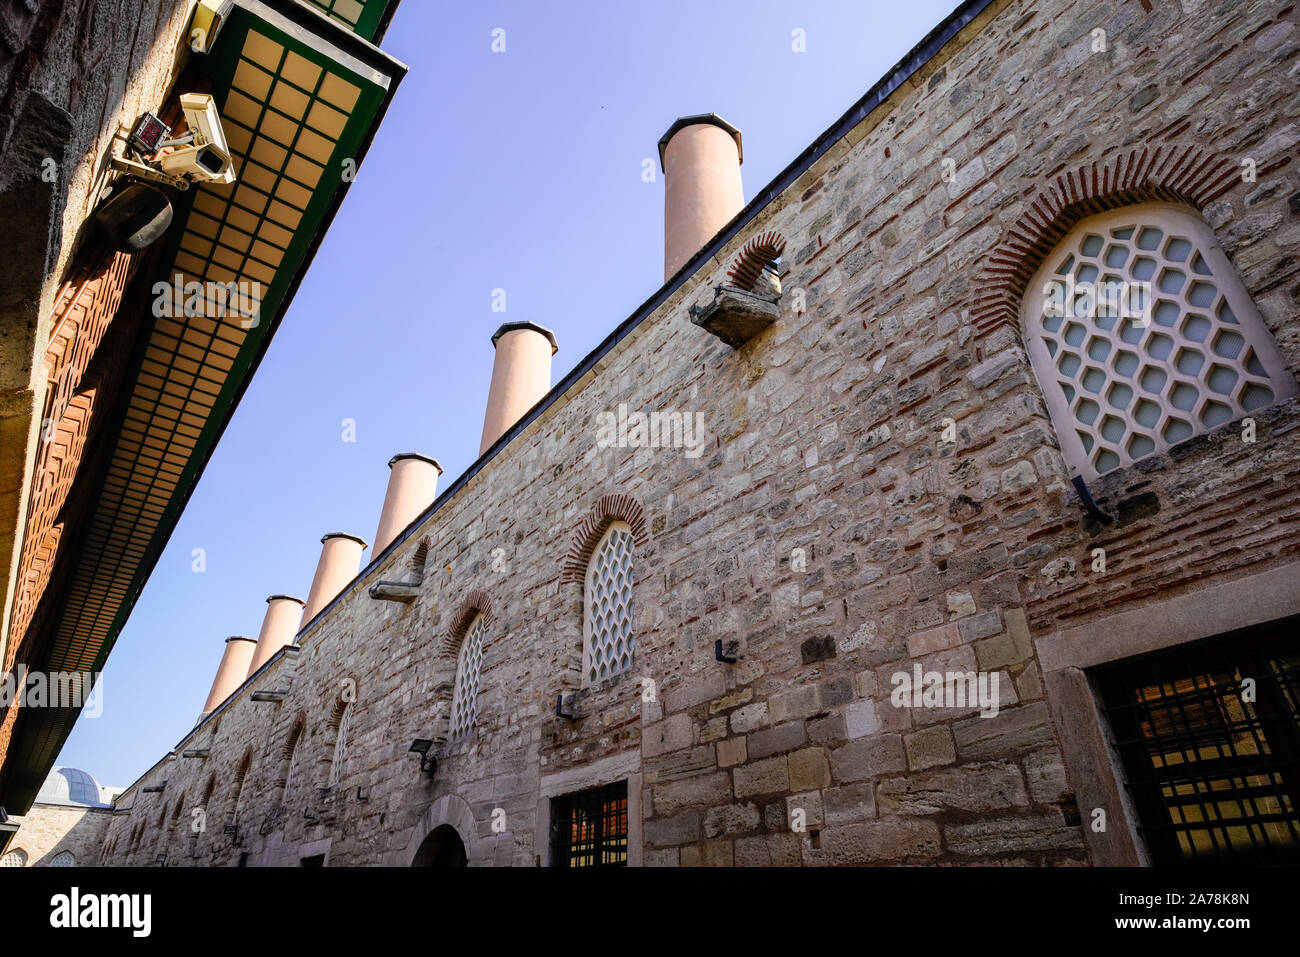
(207, 157)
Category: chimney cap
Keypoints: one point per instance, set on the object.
(706, 119)
(240, 638)
(356, 538)
(514, 326)
(414, 455)
(285, 598)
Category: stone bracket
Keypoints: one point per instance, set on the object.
(405, 592)
(736, 316)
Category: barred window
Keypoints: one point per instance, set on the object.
(609, 644)
(589, 829)
(1212, 771)
(340, 747)
(15, 858)
(63, 859)
(464, 702)
(1141, 335)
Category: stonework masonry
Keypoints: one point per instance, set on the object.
(49, 830)
(828, 528)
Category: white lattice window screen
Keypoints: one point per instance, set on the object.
(1157, 340)
(293, 762)
(469, 663)
(609, 644)
(239, 795)
(14, 859)
(63, 859)
(340, 747)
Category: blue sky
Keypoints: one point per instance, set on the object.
(519, 170)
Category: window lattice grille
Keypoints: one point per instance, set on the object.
(590, 828)
(341, 747)
(1214, 773)
(14, 859)
(610, 643)
(464, 702)
(63, 859)
(292, 770)
(1141, 335)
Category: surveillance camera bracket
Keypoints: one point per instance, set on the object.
(125, 161)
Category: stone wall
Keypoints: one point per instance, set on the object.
(48, 830)
(827, 526)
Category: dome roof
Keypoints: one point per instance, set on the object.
(71, 786)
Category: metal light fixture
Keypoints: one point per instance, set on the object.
(161, 860)
(422, 747)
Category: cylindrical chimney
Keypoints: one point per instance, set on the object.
(412, 487)
(231, 672)
(521, 375)
(701, 157)
(340, 560)
(283, 615)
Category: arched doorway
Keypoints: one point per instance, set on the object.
(441, 848)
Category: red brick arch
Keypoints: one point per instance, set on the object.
(608, 508)
(1175, 172)
(476, 603)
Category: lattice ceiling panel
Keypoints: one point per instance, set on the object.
(282, 117)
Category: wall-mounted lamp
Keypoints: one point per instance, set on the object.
(161, 860)
(730, 656)
(422, 747)
(233, 831)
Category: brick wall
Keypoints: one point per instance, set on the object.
(827, 526)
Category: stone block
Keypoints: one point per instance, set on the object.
(868, 757)
(771, 776)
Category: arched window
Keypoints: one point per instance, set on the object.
(464, 702)
(237, 790)
(63, 859)
(292, 752)
(15, 858)
(340, 747)
(1141, 335)
(608, 645)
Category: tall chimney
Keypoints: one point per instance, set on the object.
(340, 560)
(412, 487)
(231, 672)
(283, 615)
(521, 375)
(701, 157)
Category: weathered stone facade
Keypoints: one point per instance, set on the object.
(827, 527)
